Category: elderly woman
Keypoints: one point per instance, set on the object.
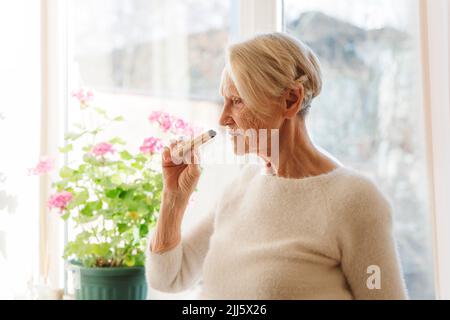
(312, 230)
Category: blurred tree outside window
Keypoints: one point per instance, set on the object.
(369, 113)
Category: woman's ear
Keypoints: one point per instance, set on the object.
(293, 101)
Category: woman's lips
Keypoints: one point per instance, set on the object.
(234, 132)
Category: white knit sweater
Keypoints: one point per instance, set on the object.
(270, 237)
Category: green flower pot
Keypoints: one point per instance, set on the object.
(125, 283)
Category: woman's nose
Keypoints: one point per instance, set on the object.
(225, 117)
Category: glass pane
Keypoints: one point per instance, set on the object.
(142, 55)
(369, 113)
(139, 56)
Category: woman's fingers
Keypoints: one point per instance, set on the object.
(191, 157)
(166, 157)
(172, 158)
(169, 156)
(194, 167)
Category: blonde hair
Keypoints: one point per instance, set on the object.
(265, 66)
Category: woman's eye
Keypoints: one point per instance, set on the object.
(236, 101)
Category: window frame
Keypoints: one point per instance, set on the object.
(256, 16)
(434, 16)
(53, 128)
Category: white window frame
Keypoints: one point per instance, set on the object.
(257, 16)
(435, 53)
(53, 128)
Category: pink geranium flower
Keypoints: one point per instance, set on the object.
(83, 97)
(151, 145)
(44, 166)
(60, 200)
(173, 124)
(181, 125)
(165, 121)
(102, 148)
(154, 116)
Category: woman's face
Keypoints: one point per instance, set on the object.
(247, 129)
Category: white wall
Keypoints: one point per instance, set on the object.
(19, 143)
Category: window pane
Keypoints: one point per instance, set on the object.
(144, 55)
(369, 112)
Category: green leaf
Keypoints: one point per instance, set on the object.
(100, 111)
(89, 158)
(80, 198)
(117, 140)
(140, 157)
(86, 211)
(126, 194)
(119, 118)
(147, 186)
(125, 155)
(116, 179)
(73, 135)
(137, 165)
(139, 259)
(87, 148)
(82, 168)
(122, 227)
(65, 216)
(129, 261)
(96, 131)
(60, 185)
(143, 230)
(66, 172)
(90, 207)
(113, 193)
(101, 249)
(66, 149)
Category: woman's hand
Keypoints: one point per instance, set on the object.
(180, 180)
(180, 177)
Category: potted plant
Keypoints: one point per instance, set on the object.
(111, 196)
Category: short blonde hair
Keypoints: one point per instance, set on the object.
(265, 66)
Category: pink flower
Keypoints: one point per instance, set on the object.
(151, 145)
(180, 124)
(102, 148)
(82, 97)
(60, 200)
(165, 121)
(173, 124)
(154, 116)
(44, 166)
(89, 96)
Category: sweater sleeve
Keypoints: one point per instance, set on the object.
(179, 268)
(369, 256)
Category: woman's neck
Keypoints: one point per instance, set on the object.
(298, 157)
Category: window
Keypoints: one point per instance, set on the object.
(126, 52)
(144, 55)
(369, 114)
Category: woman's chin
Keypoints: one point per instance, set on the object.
(239, 150)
